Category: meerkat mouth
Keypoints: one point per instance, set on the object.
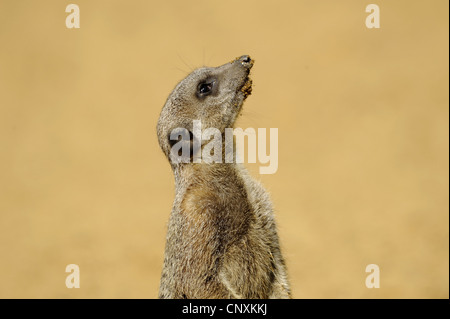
(247, 87)
(246, 90)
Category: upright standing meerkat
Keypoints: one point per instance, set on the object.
(222, 240)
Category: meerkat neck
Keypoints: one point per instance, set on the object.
(204, 171)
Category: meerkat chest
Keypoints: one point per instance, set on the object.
(210, 216)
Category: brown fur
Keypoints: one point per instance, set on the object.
(221, 240)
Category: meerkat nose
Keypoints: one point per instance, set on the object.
(245, 58)
(246, 61)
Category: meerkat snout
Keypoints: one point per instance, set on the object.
(221, 239)
(245, 59)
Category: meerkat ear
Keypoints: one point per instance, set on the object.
(181, 141)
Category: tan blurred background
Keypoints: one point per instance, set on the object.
(363, 139)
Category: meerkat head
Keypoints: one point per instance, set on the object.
(211, 95)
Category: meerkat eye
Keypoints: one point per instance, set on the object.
(205, 88)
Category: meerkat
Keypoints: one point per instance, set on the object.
(222, 240)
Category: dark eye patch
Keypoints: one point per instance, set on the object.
(206, 87)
